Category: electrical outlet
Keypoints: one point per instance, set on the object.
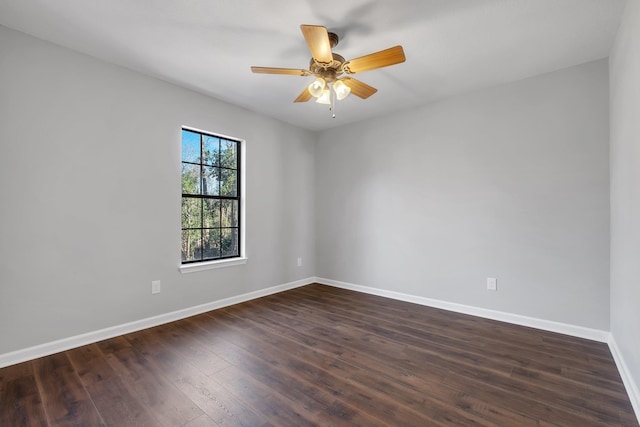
(299, 261)
(155, 287)
(492, 283)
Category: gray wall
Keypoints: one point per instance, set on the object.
(625, 190)
(510, 182)
(90, 194)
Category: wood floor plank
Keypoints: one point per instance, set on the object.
(595, 379)
(215, 401)
(483, 343)
(332, 374)
(190, 349)
(392, 356)
(595, 417)
(266, 366)
(20, 402)
(65, 399)
(118, 404)
(317, 356)
(201, 421)
(487, 358)
(433, 320)
(167, 403)
(369, 380)
(274, 407)
(552, 396)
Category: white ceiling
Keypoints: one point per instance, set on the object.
(452, 46)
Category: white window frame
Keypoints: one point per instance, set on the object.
(229, 262)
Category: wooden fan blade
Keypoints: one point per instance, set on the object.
(290, 71)
(318, 40)
(304, 96)
(384, 58)
(358, 88)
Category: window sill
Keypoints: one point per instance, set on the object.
(208, 265)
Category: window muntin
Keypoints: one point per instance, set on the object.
(210, 197)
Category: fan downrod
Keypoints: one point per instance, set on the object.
(333, 39)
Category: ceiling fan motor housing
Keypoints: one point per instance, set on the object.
(329, 72)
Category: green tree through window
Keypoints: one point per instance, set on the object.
(210, 197)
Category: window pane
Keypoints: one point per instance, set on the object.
(229, 243)
(228, 154)
(228, 182)
(191, 212)
(211, 213)
(229, 213)
(210, 223)
(211, 150)
(190, 146)
(191, 245)
(190, 179)
(212, 243)
(210, 182)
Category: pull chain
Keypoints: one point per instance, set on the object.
(332, 108)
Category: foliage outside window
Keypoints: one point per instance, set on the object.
(210, 197)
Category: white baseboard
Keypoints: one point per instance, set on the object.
(546, 325)
(632, 387)
(57, 346)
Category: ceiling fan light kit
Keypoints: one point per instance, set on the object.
(324, 98)
(341, 90)
(317, 87)
(328, 68)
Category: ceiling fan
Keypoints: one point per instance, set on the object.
(329, 68)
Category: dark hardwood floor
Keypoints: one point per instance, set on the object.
(322, 356)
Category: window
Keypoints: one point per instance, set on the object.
(210, 197)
